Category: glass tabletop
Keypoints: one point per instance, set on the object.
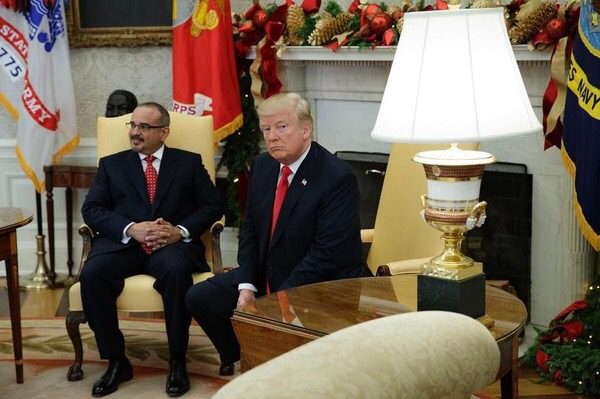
(11, 218)
(326, 307)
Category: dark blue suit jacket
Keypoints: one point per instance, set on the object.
(317, 237)
(184, 196)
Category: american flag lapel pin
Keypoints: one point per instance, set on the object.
(303, 182)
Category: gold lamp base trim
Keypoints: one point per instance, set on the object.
(443, 271)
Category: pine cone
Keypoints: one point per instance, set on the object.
(486, 4)
(399, 25)
(531, 18)
(294, 22)
(328, 27)
(408, 6)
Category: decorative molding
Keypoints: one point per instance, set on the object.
(348, 56)
(118, 37)
(113, 36)
(85, 150)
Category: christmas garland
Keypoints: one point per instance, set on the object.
(568, 352)
(365, 24)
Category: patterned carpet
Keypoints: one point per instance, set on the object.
(48, 353)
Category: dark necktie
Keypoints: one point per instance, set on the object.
(282, 187)
(151, 177)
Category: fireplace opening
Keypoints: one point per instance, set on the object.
(503, 243)
(369, 169)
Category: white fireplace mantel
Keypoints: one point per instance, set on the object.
(375, 55)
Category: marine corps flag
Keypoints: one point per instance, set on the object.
(205, 80)
(581, 135)
(36, 85)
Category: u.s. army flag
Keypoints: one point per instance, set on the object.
(36, 85)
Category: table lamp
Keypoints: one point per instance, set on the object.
(454, 79)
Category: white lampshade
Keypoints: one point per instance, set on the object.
(454, 78)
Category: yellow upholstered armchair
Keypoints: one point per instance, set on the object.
(411, 355)
(401, 240)
(190, 133)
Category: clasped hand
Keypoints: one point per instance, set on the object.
(156, 234)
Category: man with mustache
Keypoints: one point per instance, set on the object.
(149, 206)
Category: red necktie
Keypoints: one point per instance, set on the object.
(151, 177)
(282, 187)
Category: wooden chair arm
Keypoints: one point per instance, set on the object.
(215, 246)
(409, 266)
(503, 285)
(86, 234)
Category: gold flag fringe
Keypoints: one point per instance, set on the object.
(588, 232)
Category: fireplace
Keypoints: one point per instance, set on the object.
(503, 243)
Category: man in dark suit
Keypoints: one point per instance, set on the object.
(316, 235)
(152, 228)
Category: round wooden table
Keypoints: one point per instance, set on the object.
(287, 319)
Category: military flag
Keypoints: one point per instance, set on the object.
(36, 85)
(581, 135)
(205, 79)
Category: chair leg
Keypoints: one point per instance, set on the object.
(73, 320)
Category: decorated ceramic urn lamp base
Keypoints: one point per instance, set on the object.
(452, 281)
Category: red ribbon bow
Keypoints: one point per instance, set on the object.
(577, 305)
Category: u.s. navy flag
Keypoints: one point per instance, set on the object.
(205, 80)
(36, 85)
(581, 135)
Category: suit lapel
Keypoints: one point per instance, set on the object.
(300, 183)
(268, 198)
(166, 174)
(135, 172)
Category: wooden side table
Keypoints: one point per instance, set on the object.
(69, 176)
(10, 220)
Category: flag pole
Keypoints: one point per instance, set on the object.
(42, 277)
(39, 279)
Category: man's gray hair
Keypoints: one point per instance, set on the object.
(286, 101)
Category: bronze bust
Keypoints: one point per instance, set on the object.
(120, 102)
